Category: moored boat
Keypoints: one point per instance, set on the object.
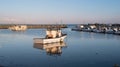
(110, 31)
(117, 33)
(18, 28)
(52, 36)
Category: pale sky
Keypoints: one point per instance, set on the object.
(53, 11)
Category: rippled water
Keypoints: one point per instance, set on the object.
(80, 49)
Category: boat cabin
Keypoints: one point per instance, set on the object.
(53, 33)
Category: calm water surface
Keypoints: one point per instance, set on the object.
(81, 49)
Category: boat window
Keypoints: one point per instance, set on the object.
(19, 26)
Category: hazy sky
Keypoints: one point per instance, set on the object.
(53, 11)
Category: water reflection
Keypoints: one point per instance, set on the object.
(52, 49)
(0, 46)
(88, 35)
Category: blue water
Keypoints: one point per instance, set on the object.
(83, 49)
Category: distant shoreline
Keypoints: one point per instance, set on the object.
(35, 26)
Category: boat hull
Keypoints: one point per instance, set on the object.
(51, 40)
(18, 28)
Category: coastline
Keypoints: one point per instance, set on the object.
(34, 26)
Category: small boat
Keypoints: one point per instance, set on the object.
(110, 31)
(117, 33)
(18, 28)
(97, 31)
(52, 36)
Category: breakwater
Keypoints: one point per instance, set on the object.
(34, 26)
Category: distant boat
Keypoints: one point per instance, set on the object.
(52, 36)
(18, 28)
(110, 31)
(117, 32)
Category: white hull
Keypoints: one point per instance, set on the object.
(51, 40)
(18, 28)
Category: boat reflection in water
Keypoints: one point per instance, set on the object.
(51, 48)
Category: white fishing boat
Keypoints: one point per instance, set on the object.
(18, 28)
(52, 36)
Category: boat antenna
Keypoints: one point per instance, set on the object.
(57, 26)
(60, 23)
